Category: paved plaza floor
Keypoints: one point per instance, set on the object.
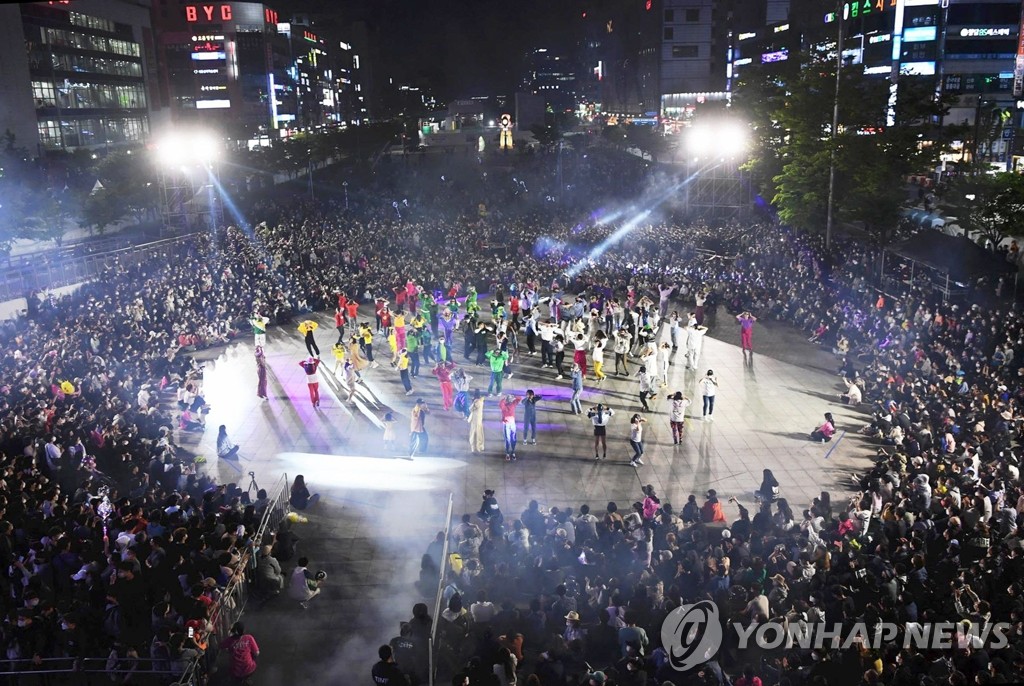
(378, 510)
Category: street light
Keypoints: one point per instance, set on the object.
(344, 185)
(835, 129)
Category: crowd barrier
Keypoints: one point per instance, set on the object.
(433, 646)
(41, 274)
(235, 597)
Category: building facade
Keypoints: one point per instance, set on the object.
(74, 75)
(226, 66)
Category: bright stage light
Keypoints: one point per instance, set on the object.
(187, 148)
(714, 139)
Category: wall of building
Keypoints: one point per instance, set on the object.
(17, 111)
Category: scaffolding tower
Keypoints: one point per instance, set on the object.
(718, 190)
(190, 198)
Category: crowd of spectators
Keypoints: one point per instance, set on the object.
(115, 545)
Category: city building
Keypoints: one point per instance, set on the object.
(219, 64)
(620, 50)
(74, 75)
(311, 73)
(553, 76)
(969, 51)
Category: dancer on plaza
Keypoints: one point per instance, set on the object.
(598, 356)
(389, 430)
(577, 390)
(600, 416)
(497, 360)
(310, 366)
(664, 295)
(385, 322)
(636, 439)
(403, 370)
(480, 343)
(623, 341)
(448, 321)
(530, 417)
(418, 438)
(460, 383)
(351, 379)
(746, 321)
(694, 343)
(476, 423)
(338, 350)
(646, 387)
(579, 355)
(307, 328)
(355, 353)
(708, 389)
(259, 329)
(399, 325)
(351, 312)
(559, 348)
(675, 329)
(664, 358)
(677, 416)
(366, 333)
(261, 373)
(507, 407)
(339, 324)
(443, 372)
(700, 299)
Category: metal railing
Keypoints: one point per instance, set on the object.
(236, 595)
(83, 670)
(43, 274)
(432, 647)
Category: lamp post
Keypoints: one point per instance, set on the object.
(344, 185)
(835, 126)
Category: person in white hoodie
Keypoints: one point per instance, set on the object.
(677, 415)
(708, 390)
(694, 343)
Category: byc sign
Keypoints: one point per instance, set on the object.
(207, 13)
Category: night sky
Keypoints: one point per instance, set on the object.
(464, 46)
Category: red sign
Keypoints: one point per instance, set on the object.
(208, 47)
(207, 14)
(269, 15)
(310, 37)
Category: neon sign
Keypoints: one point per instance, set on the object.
(207, 13)
(310, 37)
(269, 15)
(778, 56)
(862, 7)
(985, 32)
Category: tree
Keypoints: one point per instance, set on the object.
(997, 209)
(791, 114)
(546, 135)
(647, 139)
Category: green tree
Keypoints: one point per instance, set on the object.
(997, 209)
(647, 139)
(546, 135)
(791, 115)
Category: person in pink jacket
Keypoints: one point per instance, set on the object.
(443, 372)
(507, 405)
(242, 649)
